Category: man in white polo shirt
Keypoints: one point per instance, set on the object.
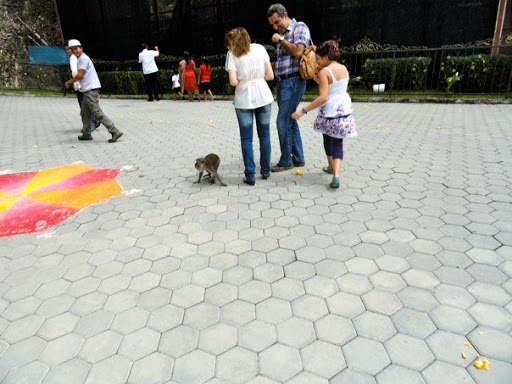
(150, 70)
(90, 87)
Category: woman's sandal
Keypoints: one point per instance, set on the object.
(328, 170)
(335, 183)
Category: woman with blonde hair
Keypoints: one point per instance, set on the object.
(249, 69)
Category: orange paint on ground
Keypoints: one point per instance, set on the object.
(36, 201)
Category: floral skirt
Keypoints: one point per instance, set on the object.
(338, 127)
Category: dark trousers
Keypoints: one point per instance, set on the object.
(151, 81)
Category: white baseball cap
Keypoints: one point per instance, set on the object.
(74, 43)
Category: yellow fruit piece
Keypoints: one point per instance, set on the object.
(299, 172)
(464, 356)
(467, 344)
(481, 364)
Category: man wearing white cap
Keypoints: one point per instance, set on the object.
(90, 85)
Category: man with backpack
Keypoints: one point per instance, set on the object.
(292, 38)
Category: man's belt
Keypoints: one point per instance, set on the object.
(287, 76)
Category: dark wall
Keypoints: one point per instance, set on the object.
(113, 29)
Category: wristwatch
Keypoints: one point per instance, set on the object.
(281, 38)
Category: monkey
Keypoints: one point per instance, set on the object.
(209, 163)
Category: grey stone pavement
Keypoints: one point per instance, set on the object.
(389, 279)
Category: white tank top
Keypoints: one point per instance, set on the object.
(338, 97)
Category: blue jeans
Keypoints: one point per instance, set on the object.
(289, 95)
(245, 121)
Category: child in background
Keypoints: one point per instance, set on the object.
(204, 86)
(176, 86)
(334, 119)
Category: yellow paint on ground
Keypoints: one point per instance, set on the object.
(54, 175)
(6, 204)
(82, 197)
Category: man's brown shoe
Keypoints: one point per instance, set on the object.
(115, 136)
(85, 136)
(280, 168)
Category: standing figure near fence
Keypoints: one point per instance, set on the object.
(176, 86)
(190, 78)
(204, 85)
(90, 86)
(334, 120)
(76, 86)
(249, 69)
(150, 70)
(292, 38)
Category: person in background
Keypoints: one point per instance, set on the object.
(292, 38)
(150, 70)
(191, 78)
(76, 86)
(204, 85)
(90, 85)
(176, 87)
(334, 120)
(249, 69)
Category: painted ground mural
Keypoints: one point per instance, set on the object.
(36, 201)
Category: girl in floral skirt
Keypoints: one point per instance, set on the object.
(334, 119)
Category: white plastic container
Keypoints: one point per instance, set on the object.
(379, 88)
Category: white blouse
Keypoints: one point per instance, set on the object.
(252, 91)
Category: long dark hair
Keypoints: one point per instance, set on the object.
(187, 57)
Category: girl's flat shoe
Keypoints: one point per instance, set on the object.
(335, 183)
(328, 170)
(250, 182)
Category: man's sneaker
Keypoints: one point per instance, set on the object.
(85, 136)
(281, 168)
(299, 164)
(115, 136)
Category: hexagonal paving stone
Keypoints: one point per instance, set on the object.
(419, 299)
(114, 370)
(296, 332)
(321, 286)
(129, 321)
(335, 329)
(140, 343)
(187, 296)
(383, 302)
(392, 264)
(491, 315)
(254, 291)
(309, 307)
(352, 376)
(345, 304)
(441, 372)
(452, 319)
(100, 346)
(409, 352)
(201, 316)
(501, 372)
(361, 266)
(273, 310)
(237, 365)
(374, 326)
(238, 313)
(62, 349)
(387, 281)
(179, 341)
(156, 368)
(288, 289)
(356, 355)
(396, 374)
(448, 347)
(280, 362)
(454, 296)
(94, 323)
(257, 335)
(413, 323)
(323, 359)
(218, 338)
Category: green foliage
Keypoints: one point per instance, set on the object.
(407, 73)
(220, 81)
(482, 73)
(452, 80)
